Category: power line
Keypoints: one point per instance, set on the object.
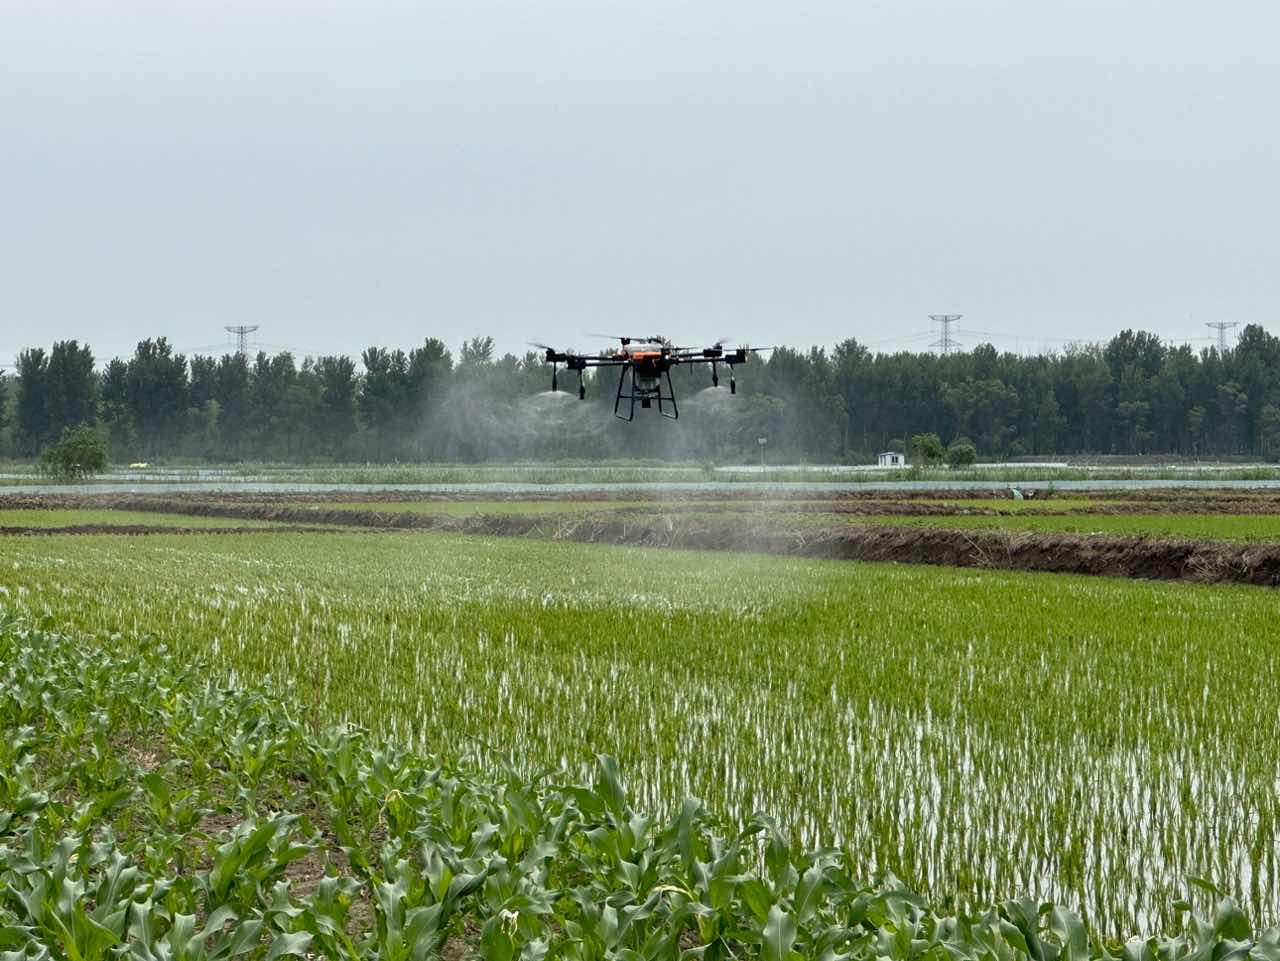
(296, 351)
(945, 343)
(905, 338)
(1221, 326)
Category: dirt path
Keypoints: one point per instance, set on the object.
(139, 529)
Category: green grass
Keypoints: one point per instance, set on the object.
(978, 733)
(1224, 527)
(67, 518)
(148, 811)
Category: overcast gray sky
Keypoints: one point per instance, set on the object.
(378, 172)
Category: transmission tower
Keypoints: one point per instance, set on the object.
(242, 333)
(946, 343)
(1221, 326)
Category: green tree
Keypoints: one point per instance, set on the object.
(476, 352)
(33, 401)
(4, 402)
(382, 398)
(82, 452)
(961, 453)
(336, 407)
(425, 381)
(1233, 410)
(116, 416)
(72, 387)
(233, 392)
(1269, 426)
(156, 387)
(271, 393)
(927, 449)
(1047, 425)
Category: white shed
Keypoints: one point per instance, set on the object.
(892, 458)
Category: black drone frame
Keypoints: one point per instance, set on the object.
(645, 396)
(645, 368)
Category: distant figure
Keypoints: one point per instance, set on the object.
(1015, 493)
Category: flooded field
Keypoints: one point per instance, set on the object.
(975, 729)
(975, 732)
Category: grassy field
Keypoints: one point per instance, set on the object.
(1223, 527)
(77, 517)
(979, 734)
(148, 813)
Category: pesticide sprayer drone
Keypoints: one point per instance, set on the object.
(647, 362)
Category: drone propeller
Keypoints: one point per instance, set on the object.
(633, 338)
(724, 341)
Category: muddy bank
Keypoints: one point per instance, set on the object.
(1138, 557)
(140, 529)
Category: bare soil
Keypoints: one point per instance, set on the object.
(140, 529)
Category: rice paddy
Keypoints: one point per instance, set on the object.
(150, 810)
(979, 734)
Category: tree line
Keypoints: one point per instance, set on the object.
(1132, 395)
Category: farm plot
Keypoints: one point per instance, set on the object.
(979, 734)
(151, 814)
(33, 519)
(1212, 527)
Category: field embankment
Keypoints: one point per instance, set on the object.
(914, 531)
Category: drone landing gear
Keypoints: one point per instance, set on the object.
(645, 390)
(715, 376)
(555, 383)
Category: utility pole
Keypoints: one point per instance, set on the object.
(946, 343)
(242, 333)
(1221, 326)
